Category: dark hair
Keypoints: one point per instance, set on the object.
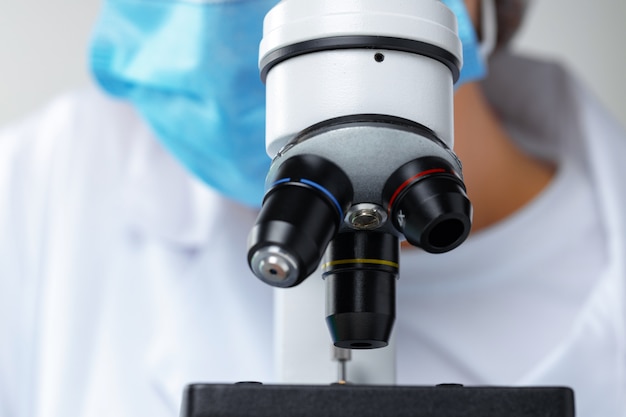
(510, 15)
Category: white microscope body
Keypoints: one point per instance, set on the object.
(360, 129)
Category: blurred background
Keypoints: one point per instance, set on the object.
(43, 44)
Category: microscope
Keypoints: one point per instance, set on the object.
(359, 102)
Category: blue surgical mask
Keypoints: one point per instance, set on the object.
(474, 67)
(190, 68)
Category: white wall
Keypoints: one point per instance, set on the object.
(590, 36)
(43, 42)
(42, 51)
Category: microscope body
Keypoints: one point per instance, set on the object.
(360, 128)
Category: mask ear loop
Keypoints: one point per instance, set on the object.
(488, 28)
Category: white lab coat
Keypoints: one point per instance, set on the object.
(122, 278)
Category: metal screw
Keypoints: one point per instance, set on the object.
(366, 216)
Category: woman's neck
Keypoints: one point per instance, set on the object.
(500, 178)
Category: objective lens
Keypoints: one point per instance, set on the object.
(301, 213)
(360, 271)
(427, 202)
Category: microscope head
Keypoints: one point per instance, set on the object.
(360, 128)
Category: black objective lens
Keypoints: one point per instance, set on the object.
(301, 213)
(360, 271)
(427, 202)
